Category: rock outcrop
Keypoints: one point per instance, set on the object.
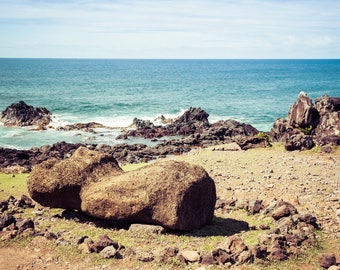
(307, 125)
(21, 114)
(195, 128)
(175, 195)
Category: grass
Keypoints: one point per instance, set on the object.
(13, 184)
(132, 167)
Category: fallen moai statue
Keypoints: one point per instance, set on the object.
(175, 195)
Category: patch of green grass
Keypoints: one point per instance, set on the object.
(13, 184)
(132, 167)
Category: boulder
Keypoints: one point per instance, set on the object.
(21, 114)
(328, 130)
(175, 195)
(232, 128)
(193, 115)
(297, 140)
(326, 104)
(307, 125)
(246, 143)
(56, 183)
(302, 113)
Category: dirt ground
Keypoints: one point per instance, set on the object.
(309, 180)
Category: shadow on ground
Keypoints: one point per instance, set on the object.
(219, 226)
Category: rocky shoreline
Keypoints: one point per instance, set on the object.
(306, 125)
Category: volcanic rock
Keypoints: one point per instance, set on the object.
(193, 115)
(175, 195)
(327, 260)
(191, 256)
(55, 183)
(21, 114)
(102, 242)
(302, 113)
(307, 125)
(329, 123)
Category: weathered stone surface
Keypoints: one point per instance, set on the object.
(233, 243)
(302, 113)
(146, 229)
(193, 115)
(102, 242)
(297, 140)
(191, 256)
(252, 142)
(327, 260)
(25, 225)
(21, 114)
(307, 125)
(108, 252)
(284, 209)
(55, 183)
(172, 194)
(254, 206)
(278, 254)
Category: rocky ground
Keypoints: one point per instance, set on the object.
(309, 180)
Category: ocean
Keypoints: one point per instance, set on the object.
(114, 91)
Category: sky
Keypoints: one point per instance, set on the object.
(204, 29)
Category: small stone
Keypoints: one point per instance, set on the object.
(241, 204)
(145, 256)
(221, 256)
(338, 212)
(103, 242)
(282, 211)
(208, 260)
(326, 260)
(84, 248)
(191, 256)
(254, 206)
(264, 227)
(25, 225)
(233, 243)
(245, 257)
(145, 229)
(108, 252)
(170, 251)
(278, 254)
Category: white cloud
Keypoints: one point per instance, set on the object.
(185, 29)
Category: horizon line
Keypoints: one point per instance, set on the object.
(127, 58)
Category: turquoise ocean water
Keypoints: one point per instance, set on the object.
(113, 92)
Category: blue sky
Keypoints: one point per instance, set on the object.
(170, 28)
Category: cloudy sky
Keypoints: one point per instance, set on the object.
(170, 28)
